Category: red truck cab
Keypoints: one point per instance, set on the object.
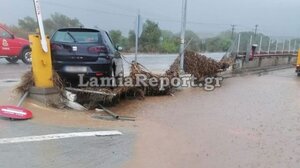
(13, 48)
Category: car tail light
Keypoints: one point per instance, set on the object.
(56, 47)
(99, 74)
(98, 49)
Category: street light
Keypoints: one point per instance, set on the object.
(182, 41)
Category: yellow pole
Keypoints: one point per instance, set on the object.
(41, 63)
(298, 58)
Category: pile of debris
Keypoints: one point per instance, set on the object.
(27, 81)
(92, 97)
(148, 90)
(198, 65)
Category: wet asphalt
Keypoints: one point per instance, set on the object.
(81, 152)
(89, 152)
(250, 122)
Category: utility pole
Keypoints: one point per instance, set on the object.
(182, 41)
(137, 34)
(239, 43)
(232, 31)
(255, 32)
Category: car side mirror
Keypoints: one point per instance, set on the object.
(12, 36)
(119, 48)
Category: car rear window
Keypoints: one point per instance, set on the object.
(76, 36)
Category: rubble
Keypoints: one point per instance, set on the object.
(137, 68)
(27, 81)
(197, 65)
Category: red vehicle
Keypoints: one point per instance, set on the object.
(13, 48)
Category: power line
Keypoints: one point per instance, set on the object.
(132, 15)
(89, 10)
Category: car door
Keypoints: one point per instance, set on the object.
(1, 50)
(9, 46)
(4, 47)
(117, 59)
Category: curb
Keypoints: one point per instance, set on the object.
(247, 72)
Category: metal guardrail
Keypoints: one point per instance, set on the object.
(264, 61)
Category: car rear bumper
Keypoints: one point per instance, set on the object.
(88, 69)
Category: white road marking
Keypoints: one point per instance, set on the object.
(9, 82)
(57, 136)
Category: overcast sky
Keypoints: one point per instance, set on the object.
(278, 18)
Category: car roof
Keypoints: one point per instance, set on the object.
(80, 29)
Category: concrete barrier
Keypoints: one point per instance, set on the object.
(264, 61)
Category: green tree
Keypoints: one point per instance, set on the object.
(150, 38)
(170, 42)
(218, 44)
(56, 21)
(119, 39)
(116, 36)
(19, 32)
(28, 24)
(131, 40)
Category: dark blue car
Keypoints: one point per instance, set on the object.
(85, 51)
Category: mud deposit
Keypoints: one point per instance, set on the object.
(251, 121)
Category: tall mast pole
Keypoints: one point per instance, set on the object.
(137, 34)
(182, 41)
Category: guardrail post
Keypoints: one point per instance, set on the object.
(290, 59)
(276, 60)
(259, 61)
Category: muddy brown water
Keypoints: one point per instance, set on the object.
(59, 117)
(251, 121)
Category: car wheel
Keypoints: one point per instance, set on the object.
(121, 74)
(113, 76)
(12, 60)
(26, 56)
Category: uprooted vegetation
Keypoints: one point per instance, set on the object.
(198, 65)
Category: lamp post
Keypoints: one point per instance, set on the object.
(182, 41)
(137, 34)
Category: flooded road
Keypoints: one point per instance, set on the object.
(250, 122)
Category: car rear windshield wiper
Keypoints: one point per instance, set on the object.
(71, 36)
